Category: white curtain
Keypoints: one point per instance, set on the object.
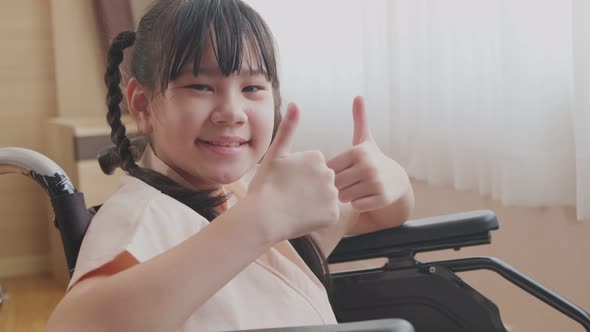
(484, 95)
(581, 109)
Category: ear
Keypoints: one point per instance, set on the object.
(138, 101)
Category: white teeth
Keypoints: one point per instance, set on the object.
(233, 145)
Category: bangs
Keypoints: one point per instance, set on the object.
(237, 33)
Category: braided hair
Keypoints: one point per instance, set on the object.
(168, 36)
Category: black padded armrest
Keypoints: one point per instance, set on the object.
(442, 232)
(379, 325)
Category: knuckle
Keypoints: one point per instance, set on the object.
(370, 170)
(334, 193)
(317, 156)
(310, 158)
(379, 186)
(330, 175)
(360, 153)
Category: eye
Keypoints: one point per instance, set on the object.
(253, 88)
(200, 87)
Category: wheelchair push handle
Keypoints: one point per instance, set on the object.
(41, 169)
(71, 216)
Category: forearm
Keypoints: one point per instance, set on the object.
(160, 294)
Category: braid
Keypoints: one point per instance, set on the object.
(112, 79)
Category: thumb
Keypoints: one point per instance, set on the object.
(281, 145)
(362, 132)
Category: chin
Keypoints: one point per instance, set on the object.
(226, 177)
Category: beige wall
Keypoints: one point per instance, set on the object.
(138, 8)
(79, 61)
(27, 96)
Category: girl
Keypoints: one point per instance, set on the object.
(165, 253)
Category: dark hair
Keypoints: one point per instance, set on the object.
(168, 36)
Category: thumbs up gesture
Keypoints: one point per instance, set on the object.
(295, 190)
(366, 177)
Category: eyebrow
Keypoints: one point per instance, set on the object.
(211, 71)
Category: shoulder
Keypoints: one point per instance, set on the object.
(138, 221)
(137, 213)
(135, 199)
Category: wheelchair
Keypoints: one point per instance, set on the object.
(404, 295)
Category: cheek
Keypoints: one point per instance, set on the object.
(262, 124)
(190, 122)
(184, 122)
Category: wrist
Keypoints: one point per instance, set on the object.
(251, 213)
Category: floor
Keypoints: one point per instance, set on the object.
(28, 304)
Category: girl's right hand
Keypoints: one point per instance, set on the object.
(296, 191)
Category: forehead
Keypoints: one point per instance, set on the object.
(251, 62)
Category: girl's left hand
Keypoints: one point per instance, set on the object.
(366, 177)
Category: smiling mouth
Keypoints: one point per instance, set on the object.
(226, 144)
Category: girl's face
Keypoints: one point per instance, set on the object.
(212, 128)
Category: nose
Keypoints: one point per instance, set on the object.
(229, 112)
